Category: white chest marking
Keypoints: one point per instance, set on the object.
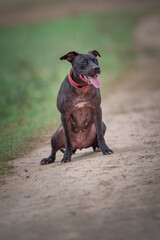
(81, 104)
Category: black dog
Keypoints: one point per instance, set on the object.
(79, 103)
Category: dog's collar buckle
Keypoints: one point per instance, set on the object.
(73, 83)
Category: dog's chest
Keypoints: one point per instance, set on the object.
(81, 114)
(81, 105)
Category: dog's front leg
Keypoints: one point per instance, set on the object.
(99, 128)
(68, 146)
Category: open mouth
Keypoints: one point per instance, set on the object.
(94, 80)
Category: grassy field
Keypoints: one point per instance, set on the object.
(31, 71)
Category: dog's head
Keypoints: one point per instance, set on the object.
(85, 66)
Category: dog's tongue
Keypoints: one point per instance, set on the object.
(95, 81)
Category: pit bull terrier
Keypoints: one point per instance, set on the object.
(79, 102)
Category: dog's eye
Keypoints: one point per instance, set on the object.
(95, 60)
(84, 62)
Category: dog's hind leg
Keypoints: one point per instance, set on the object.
(57, 142)
(95, 145)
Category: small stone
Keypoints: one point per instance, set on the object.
(73, 213)
(27, 196)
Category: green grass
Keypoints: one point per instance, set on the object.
(31, 71)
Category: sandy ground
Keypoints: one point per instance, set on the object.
(98, 197)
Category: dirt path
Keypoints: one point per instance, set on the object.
(98, 197)
(32, 12)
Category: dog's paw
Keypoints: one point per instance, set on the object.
(46, 161)
(66, 159)
(96, 149)
(106, 151)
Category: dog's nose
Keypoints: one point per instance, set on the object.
(96, 69)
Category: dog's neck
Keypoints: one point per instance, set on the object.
(75, 81)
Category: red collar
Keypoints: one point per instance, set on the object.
(74, 83)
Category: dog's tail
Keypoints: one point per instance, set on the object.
(62, 150)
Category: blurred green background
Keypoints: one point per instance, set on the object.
(31, 72)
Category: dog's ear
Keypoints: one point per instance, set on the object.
(95, 53)
(69, 56)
